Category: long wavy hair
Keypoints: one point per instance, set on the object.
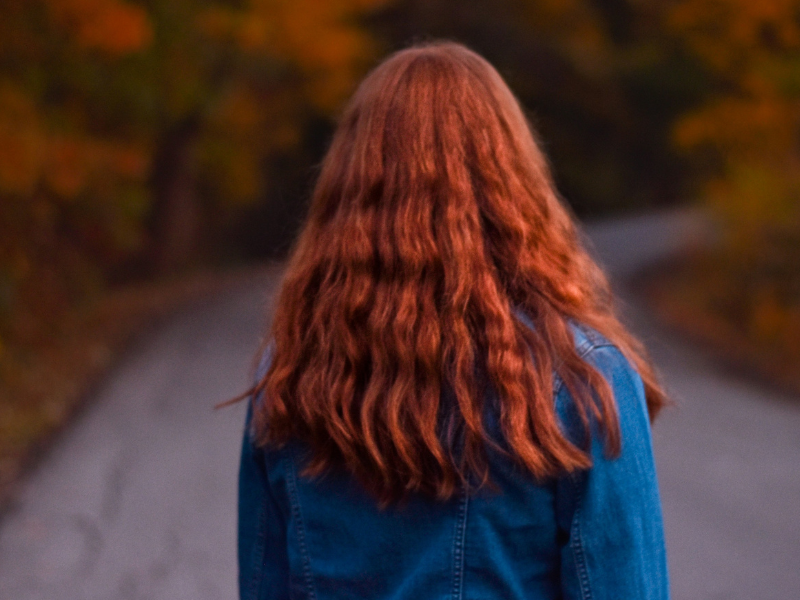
(433, 223)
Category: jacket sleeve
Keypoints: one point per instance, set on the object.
(262, 552)
(610, 515)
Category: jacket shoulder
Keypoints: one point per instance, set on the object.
(585, 340)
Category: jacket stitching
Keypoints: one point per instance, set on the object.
(458, 547)
(291, 484)
(590, 342)
(579, 556)
(258, 554)
(583, 350)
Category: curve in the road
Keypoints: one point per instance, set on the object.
(137, 499)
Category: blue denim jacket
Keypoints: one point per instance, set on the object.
(596, 534)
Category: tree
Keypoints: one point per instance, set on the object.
(124, 123)
(599, 77)
(745, 136)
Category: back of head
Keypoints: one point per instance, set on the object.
(433, 220)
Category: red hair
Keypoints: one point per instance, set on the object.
(434, 219)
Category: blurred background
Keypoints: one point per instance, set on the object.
(152, 151)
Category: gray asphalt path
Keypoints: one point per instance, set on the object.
(137, 499)
(728, 455)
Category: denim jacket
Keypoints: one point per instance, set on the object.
(595, 534)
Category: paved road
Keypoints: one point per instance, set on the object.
(728, 455)
(137, 499)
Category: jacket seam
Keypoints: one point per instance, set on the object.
(291, 484)
(583, 351)
(578, 554)
(459, 540)
(258, 554)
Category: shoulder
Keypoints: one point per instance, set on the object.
(590, 345)
(597, 350)
(607, 359)
(602, 354)
(264, 359)
(262, 363)
(587, 338)
(627, 386)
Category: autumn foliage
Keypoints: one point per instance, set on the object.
(132, 132)
(119, 118)
(745, 138)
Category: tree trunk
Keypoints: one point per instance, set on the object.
(175, 215)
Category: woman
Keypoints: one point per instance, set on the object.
(447, 405)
